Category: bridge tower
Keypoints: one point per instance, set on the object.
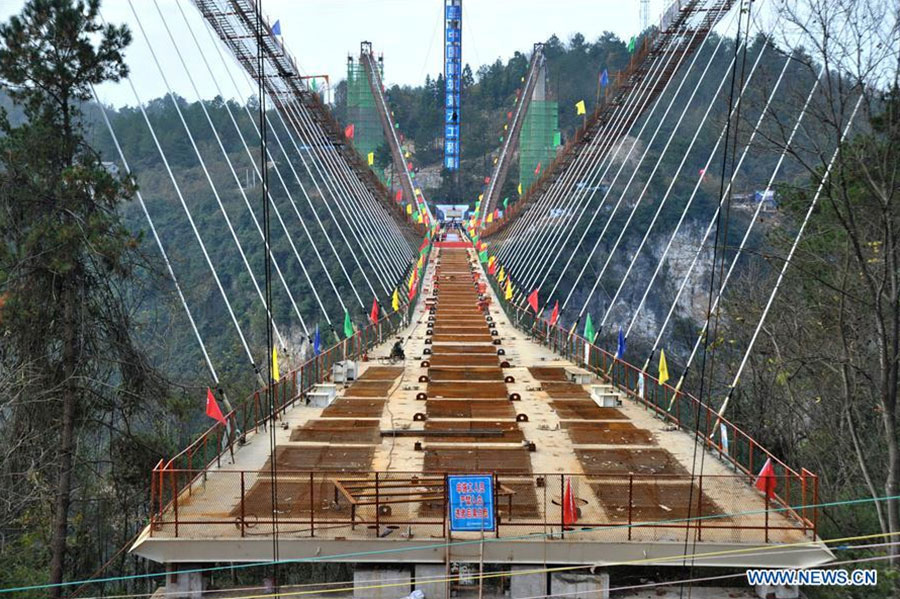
(645, 15)
(452, 73)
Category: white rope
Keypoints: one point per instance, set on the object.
(209, 180)
(790, 256)
(231, 168)
(540, 265)
(162, 250)
(631, 178)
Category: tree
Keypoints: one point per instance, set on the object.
(65, 256)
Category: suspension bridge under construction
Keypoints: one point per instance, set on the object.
(507, 438)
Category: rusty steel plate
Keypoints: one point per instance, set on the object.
(339, 431)
(381, 373)
(292, 501)
(654, 501)
(584, 409)
(322, 458)
(454, 408)
(464, 359)
(548, 373)
(465, 374)
(472, 390)
(477, 459)
(508, 431)
(625, 461)
(354, 408)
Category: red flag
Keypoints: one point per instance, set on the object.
(766, 480)
(570, 511)
(554, 316)
(212, 407)
(508, 115)
(374, 315)
(349, 130)
(496, 213)
(537, 169)
(533, 300)
(424, 244)
(412, 293)
(492, 269)
(487, 180)
(398, 197)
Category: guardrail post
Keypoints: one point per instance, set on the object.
(767, 515)
(630, 502)
(446, 514)
(562, 506)
(377, 509)
(699, 509)
(242, 503)
(312, 506)
(174, 498)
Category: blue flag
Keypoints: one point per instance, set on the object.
(620, 350)
(317, 342)
(276, 28)
(604, 78)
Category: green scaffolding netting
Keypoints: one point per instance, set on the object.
(368, 134)
(538, 140)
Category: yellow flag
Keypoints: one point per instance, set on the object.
(505, 127)
(407, 154)
(480, 196)
(580, 108)
(395, 301)
(520, 189)
(490, 217)
(663, 368)
(371, 158)
(419, 220)
(502, 275)
(496, 160)
(409, 208)
(509, 291)
(491, 261)
(275, 374)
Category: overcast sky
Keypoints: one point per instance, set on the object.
(320, 34)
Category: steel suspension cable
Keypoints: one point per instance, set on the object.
(662, 202)
(790, 256)
(541, 264)
(162, 250)
(627, 186)
(591, 159)
(734, 261)
(202, 162)
(225, 153)
(302, 121)
(193, 225)
(693, 195)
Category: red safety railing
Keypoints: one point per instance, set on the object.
(671, 404)
(251, 414)
(238, 503)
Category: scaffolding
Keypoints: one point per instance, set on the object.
(361, 111)
(538, 140)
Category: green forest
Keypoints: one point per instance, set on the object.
(101, 375)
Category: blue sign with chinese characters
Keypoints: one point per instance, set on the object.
(471, 502)
(452, 73)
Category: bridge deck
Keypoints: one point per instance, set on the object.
(458, 406)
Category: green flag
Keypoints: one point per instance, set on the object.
(557, 138)
(631, 44)
(589, 333)
(483, 256)
(348, 325)
(505, 202)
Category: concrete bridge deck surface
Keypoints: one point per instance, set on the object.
(624, 466)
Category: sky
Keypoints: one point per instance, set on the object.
(321, 33)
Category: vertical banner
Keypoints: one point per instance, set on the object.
(452, 73)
